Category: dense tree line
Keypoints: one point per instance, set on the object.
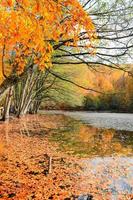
(118, 100)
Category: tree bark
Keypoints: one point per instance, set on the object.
(7, 105)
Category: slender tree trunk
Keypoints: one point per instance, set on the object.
(23, 94)
(12, 80)
(27, 94)
(35, 107)
(27, 105)
(7, 105)
(7, 83)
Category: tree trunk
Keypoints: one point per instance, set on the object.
(27, 94)
(35, 107)
(7, 105)
(13, 79)
(23, 97)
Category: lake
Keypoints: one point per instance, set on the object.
(118, 121)
(93, 151)
(104, 142)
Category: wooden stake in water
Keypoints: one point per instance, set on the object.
(50, 165)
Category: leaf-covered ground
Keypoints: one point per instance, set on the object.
(32, 167)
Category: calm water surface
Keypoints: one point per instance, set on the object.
(119, 121)
(106, 153)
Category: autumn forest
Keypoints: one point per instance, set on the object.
(66, 99)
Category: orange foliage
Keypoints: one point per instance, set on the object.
(29, 28)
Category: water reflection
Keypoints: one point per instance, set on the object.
(73, 136)
(76, 137)
(105, 154)
(83, 140)
(112, 175)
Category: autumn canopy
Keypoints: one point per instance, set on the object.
(30, 29)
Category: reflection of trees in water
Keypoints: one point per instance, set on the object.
(24, 151)
(83, 139)
(72, 135)
(4, 139)
(32, 126)
(105, 142)
(37, 125)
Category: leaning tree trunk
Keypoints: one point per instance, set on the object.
(26, 105)
(27, 93)
(7, 84)
(13, 79)
(35, 107)
(24, 91)
(7, 104)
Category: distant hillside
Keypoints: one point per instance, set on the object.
(97, 77)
